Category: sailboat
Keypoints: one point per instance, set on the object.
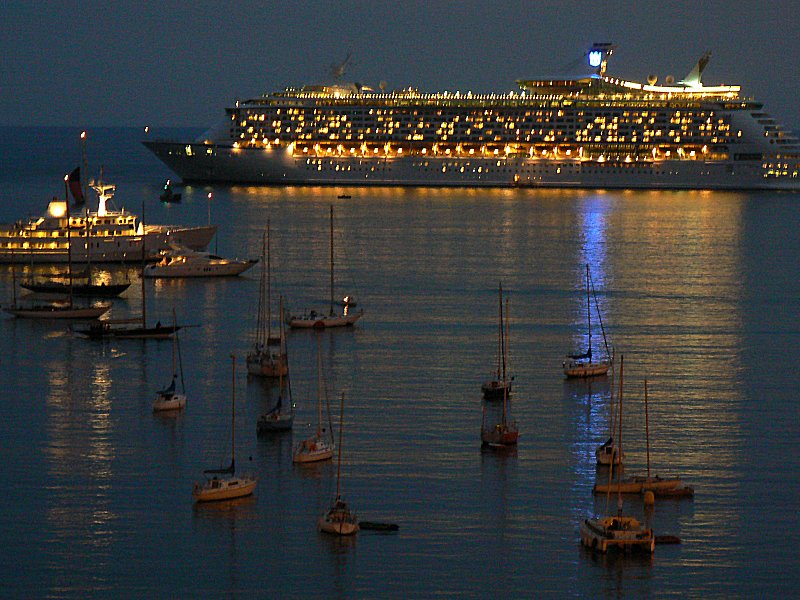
(279, 418)
(639, 484)
(263, 359)
(500, 386)
(617, 531)
(338, 519)
(607, 453)
(57, 310)
(582, 365)
(130, 328)
(314, 320)
(320, 445)
(224, 484)
(505, 433)
(168, 398)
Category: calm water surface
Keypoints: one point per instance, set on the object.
(699, 290)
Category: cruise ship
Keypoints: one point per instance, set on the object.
(588, 130)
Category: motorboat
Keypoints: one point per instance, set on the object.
(189, 263)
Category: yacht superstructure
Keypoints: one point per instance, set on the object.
(103, 235)
(586, 130)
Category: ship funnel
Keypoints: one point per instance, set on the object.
(598, 56)
(693, 79)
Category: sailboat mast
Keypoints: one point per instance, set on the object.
(269, 290)
(506, 350)
(319, 387)
(233, 412)
(647, 428)
(341, 431)
(500, 332)
(588, 311)
(331, 259)
(174, 348)
(141, 276)
(505, 386)
(619, 477)
(69, 230)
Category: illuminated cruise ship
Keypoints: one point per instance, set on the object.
(591, 130)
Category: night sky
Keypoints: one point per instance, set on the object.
(168, 63)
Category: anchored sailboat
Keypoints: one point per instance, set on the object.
(500, 386)
(505, 433)
(618, 531)
(224, 484)
(280, 418)
(638, 484)
(320, 445)
(315, 320)
(339, 519)
(583, 364)
(169, 399)
(607, 452)
(268, 356)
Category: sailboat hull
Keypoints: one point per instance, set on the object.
(274, 423)
(315, 320)
(313, 450)
(102, 331)
(574, 369)
(266, 364)
(622, 533)
(90, 290)
(338, 522)
(500, 436)
(226, 488)
(167, 402)
(58, 312)
(637, 485)
(495, 389)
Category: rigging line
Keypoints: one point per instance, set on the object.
(599, 317)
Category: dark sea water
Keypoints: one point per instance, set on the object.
(699, 290)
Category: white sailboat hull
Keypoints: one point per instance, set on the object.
(314, 320)
(313, 450)
(166, 402)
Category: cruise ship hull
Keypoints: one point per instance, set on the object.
(215, 163)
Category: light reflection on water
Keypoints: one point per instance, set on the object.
(106, 485)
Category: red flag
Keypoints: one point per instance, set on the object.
(74, 181)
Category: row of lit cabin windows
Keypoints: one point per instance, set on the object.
(403, 120)
(489, 135)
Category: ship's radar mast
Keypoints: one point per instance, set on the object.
(598, 56)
